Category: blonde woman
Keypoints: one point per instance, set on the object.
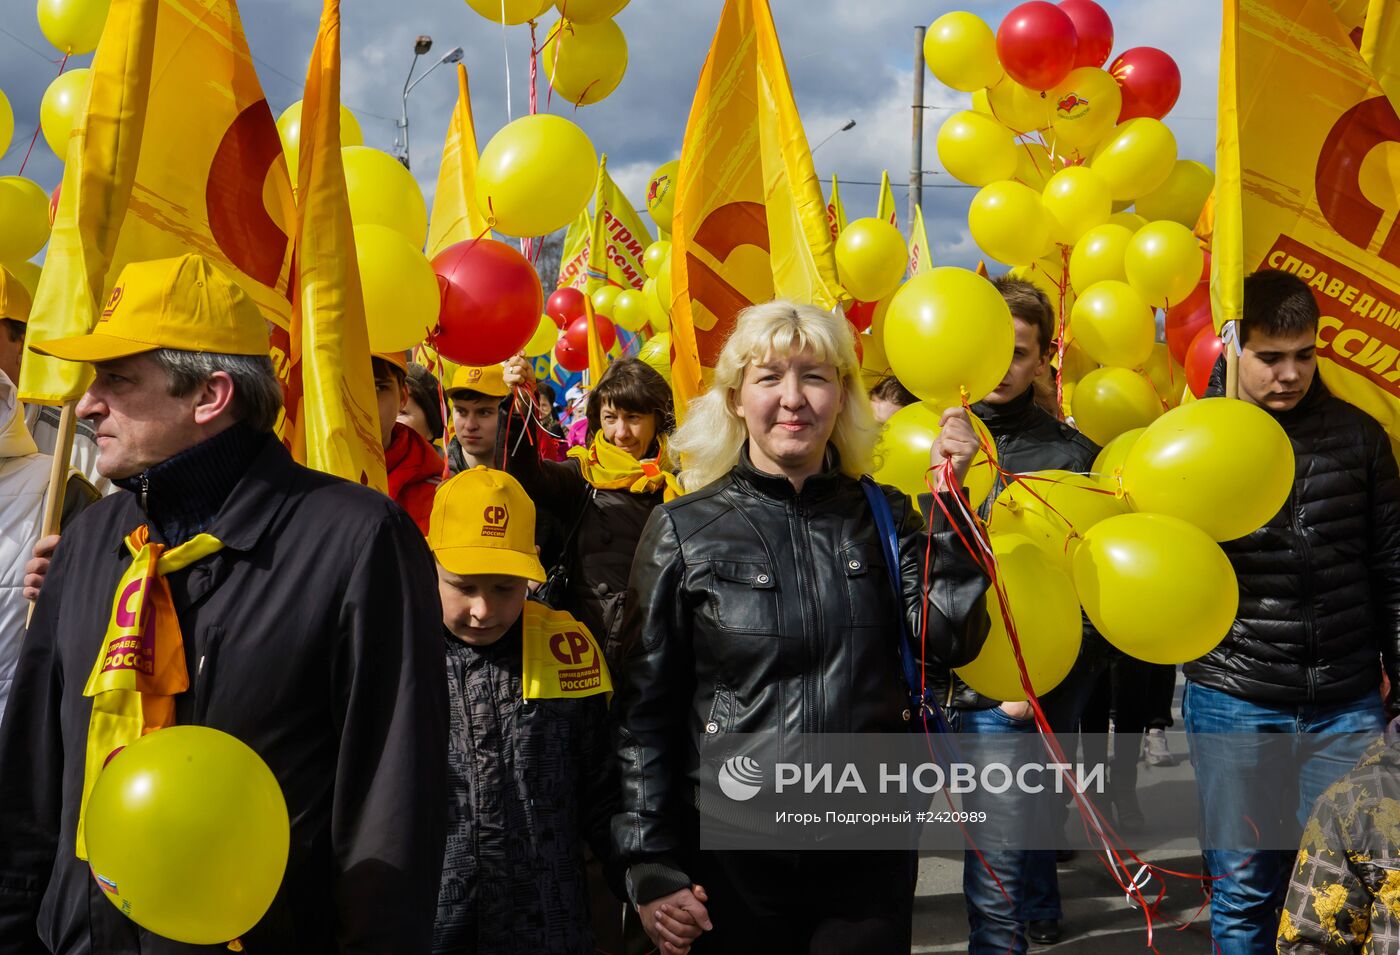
(760, 602)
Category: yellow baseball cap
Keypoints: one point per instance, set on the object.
(183, 303)
(15, 301)
(483, 522)
(487, 379)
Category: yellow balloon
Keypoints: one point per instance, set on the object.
(1109, 401)
(7, 123)
(961, 51)
(289, 129)
(543, 341)
(1163, 262)
(1086, 103)
(400, 290)
(584, 62)
(657, 354)
(1098, 255)
(874, 364)
(24, 218)
(516, 11)
(870, 259)
(661, 193)
(1224, 465)
(980, 103)
(1167, 377)
(1045, 612)
(664, 297)
(1076, 365)
(1022, 109)
(658, 312)
(1182, 196)
(73, 26)
(1135, 157)
(976, 149)
(1128, 220)
(1047, 274)
(906, 442)
(187, 833)
(603, 300)
(949, 330)
(383, 192)
(62, 108)
(1076, 200)
(656, 255)
(589, 11)
(1054, 509)
(535, 175)
(1108, 466)
(1114, 325)
(1034, 165)
(1156, 587)
(27, 273)
(630, 310)
(1009, 223)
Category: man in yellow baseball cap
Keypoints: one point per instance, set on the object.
(527, 691)
(476, 393)
(14, 316)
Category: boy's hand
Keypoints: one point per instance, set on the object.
(517, 371)
(674, 921)
(956, 442)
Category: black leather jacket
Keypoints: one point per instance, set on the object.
(1320, 583)
(754, 607)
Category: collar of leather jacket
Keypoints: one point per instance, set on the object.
(777, 487)
(1013, 416)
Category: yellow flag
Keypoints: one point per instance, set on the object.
(750, 219)
(455, 215)
(835, 212)
(1380, 47)
(886, 210)
(573, 262)
(339, 427)
(920, 255)
(619, 236)
(178, 153)
(1312, 191)
(597, 358)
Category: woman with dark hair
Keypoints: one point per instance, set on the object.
(423, 410)
(603, 493)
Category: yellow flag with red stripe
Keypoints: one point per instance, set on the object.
(886, 210)
(1313, 191)
(750, 220)
(455, 215)
(835, 211)
(338, 431)
(573, 262)
(920, 255)
(177, 152)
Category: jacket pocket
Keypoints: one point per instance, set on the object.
(744, 596)
(870, 597)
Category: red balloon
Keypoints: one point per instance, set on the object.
(1185, 319)
(569, 357)
(1095, 31)
(1150, 81)
(860, 315)
(1037, 44)
(491, 302)
(860, 350)
(1200, 359)
(577, 334)
(565, 306)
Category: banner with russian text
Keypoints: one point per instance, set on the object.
(619, 236)
(573, 261)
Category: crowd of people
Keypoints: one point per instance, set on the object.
(486, 695)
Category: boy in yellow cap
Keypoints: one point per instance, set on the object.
(475, 394)
(529, 762)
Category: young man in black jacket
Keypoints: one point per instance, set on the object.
(1319, 616)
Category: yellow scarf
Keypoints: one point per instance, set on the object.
(560, 658)
(141, 667)
(608, 468)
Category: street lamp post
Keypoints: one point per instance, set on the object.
(420, 46)
(850, 124)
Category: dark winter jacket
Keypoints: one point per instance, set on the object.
(530, 782)
(313, 637)
(753, 607)
(1027, 439)
(1320, 582)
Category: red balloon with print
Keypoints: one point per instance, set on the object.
(1150, 81)
(565, 306)
(491, 302)
(1094, 29)
(577, 334)
(1037, 45)
(569, 357)
(1200, 359)
(1185, 319)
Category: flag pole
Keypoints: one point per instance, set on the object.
(58, 474)
(916, 167)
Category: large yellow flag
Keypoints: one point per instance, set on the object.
(338, 430)
(920, 255)
(619, 236)
(886, 209)
(455, 215)
(1313, 190)
(573, 261)
(750, 219)
(835, 211)
(178, 153)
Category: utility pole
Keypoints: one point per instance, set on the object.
(916, 166)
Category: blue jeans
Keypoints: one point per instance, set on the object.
(1233, 781)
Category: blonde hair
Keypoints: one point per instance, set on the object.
(713, 435)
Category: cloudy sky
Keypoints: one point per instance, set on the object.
(848, 59)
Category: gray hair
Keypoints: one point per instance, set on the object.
(257, 394)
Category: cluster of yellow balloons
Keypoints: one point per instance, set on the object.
(584, 53)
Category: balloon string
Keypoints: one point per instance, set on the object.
(505, 54)
(35, 138)
(534, 71)
(1063, 285)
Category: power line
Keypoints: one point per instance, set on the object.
(35, 50)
